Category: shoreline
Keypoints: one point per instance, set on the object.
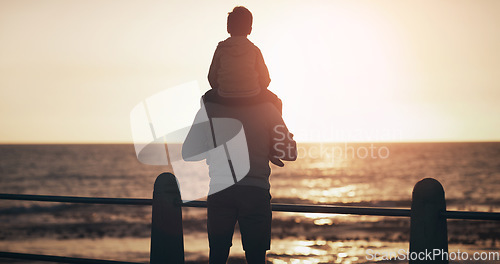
(282, 250)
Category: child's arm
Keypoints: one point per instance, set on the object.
(261, 68)
(212, 72)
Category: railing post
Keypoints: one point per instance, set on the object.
(428, 231)
(167, 245)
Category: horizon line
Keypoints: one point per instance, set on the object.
(301, 142)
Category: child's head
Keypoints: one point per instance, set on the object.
(239, 22)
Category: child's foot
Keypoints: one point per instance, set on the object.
(276, 161)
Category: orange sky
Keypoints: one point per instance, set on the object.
(72, 71)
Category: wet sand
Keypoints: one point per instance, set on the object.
(317, 240)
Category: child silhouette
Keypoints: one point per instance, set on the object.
(238, 74)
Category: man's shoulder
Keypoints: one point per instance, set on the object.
(212, 96)
(235, 106)
(262, 111)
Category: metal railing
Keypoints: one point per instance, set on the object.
(276, 207)
(60, 259)
(166, 229)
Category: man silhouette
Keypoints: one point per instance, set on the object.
(247, 200)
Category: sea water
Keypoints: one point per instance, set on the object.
(355, 174)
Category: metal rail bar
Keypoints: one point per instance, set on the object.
(59, 259)
(464, 215)
(76, 199)
(324, 209)
(293, 208)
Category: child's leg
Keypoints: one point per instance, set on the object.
(273, 98)
(210, 96)
(279, 105)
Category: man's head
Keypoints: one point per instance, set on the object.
(239, 22)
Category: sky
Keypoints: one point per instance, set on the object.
(72, 71)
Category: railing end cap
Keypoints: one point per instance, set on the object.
(166, 182)
(428, 188)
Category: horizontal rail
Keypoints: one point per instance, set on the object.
(325, 209)
(292, 208)
(464, 215)
(76, 199)
(59, 259)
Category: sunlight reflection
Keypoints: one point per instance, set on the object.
(324, 251)
(316, 215)
(325, 195)
(323, 221)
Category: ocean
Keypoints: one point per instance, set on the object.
(357, 174)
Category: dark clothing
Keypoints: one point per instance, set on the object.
(238, 169)
(238, 68)
(250, 207)
(253, 128)
(264, 96)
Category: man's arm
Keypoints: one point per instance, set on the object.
(196, 147)
(283, 147)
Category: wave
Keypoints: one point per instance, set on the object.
(37, 209)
